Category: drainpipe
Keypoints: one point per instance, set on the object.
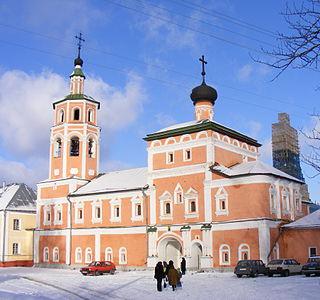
(4, 234)
(146, 214)
(70, 229)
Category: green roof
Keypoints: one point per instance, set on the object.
(76, 97)
(199, 126)
(77, 72)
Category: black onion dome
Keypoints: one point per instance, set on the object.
(78, 61)
(204, 92)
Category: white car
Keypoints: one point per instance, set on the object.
(284, 267)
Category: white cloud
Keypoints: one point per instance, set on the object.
(266, 151)
(245, 72)
(164, 120)
(26, 116)
(254, 128)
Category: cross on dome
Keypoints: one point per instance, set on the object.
(78, 61)
(203, 63)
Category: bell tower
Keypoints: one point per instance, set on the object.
(74, 139)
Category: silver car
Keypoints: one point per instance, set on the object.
(284, 267)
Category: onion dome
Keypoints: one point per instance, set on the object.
(78, 61)
(204, 92)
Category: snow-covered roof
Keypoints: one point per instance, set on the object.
(17, 197)
(115, 181)
(180, 125)
(308, 221)
(253, 168)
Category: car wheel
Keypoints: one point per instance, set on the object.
(239, 275)
(84, 274)
(307, 275)
(286, 273)
(270, 275)
(112, 272)
(96, 273)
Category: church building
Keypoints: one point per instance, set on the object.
(204, 194)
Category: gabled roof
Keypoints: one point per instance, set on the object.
(17, 197)
(252, 168)
(116, 181)
(77, 97)
(196, 126)
(308, 221)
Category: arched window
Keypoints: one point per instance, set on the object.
(57, 147)
(285, 200)
(88, 258)
(61, 116)
(138, 208)
(55, 254)
(76, 114)
(221, 202)
(244, 252)
(74, 146)
(108, 254)
(273, 198)
(168, 208)
(91, 148)
(193, 207)
(122, 256)
(90, 115)
(275, 251)
(178, 194)
(224, 255)
(297, 200)
(46, 254)
(78, 255)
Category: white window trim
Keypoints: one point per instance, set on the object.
(123, 249)
(296, 196)
(76, 256)
(57, 207)
(44, 254)
(18, 249)
(240, 251)
(309, 248)
(189, 196)
(273, 202)
(113, 204)
(134, 202)
(221, 195)
(88, 249)
(20, 224)
(78, 206)
(53, 252)
(167, 157)
(185, 154)
(166, 198)
(285, 197)
(95, 204)
(222, 263)
(46, 210)
(178, 190)
(107, 251)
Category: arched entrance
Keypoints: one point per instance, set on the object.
(170, 248)
(196, 253)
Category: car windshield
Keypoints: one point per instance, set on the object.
(92, 264)
(243, 263)
(276, 262)
(314, 259)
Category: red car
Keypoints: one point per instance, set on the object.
(98, 268)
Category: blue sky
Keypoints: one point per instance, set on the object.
(141, 62)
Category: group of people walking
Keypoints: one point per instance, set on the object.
(167, 273)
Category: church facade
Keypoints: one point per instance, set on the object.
(204, 194)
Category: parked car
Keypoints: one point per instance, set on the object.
(98, 268)
(312, 266)
(284, 267)
(252, 267)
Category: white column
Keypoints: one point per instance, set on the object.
(277, 184)
(207, 181)
(152, 202)
(84, 155)
(97, 246)
(152, 258)
(36, 239)
(264, 240)
(65, 153)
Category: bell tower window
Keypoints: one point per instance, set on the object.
(61, 116)
(74, 146)
(57, 147)
(76, 114)
(91, 148)
(90, 115)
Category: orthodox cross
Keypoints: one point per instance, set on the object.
(80, 39)
(203, 63)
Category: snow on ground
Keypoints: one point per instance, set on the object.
(41, 283)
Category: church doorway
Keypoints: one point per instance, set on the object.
(170, 249)
(196, 253)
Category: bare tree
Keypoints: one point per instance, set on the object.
(300, 48)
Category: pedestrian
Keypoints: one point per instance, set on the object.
(183, 266)
(165, 277)
(173, 275)
(158, 275)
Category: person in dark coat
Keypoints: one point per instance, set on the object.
(183, 266)
(158, 275)
(173, 275)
